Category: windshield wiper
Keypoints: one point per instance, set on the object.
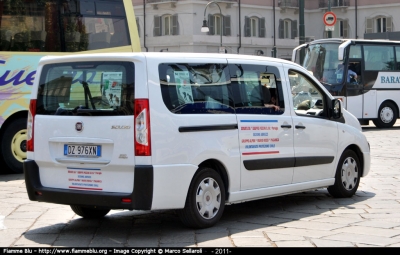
(88, 94)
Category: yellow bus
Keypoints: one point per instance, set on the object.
(31, 29)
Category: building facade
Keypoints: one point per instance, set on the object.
(257, 27)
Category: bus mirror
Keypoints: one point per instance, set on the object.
(341, 49)
(336, 109)
(297, 49)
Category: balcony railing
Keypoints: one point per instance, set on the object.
(161, 1)
(334, 3)
(288, 3)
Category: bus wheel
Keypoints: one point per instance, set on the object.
(347, 177)
(13, 145)
(387, 115)
(205, 201)
(89, 213)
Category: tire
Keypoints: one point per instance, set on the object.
(387, 115)
(205, 201)
(347, 176)
(89, 213)
(13, 145)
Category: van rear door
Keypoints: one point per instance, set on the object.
(84, 126)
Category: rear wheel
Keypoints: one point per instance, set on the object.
(387, 115)
(89, 213)
(13, 145)
(347, 176)
(205, 201)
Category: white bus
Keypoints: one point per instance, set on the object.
(364, 74)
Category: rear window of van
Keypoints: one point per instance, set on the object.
(86, 88)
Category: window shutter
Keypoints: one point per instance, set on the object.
(247, 32)
(261, 27)
(227, 25)
(388, 24)
(138, 27)
(281, 29)
(175, 25)
(294, 28)
(211, 22)
(370, 25)
(345, 28)
(157, 26)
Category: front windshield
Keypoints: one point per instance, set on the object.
(322, 61)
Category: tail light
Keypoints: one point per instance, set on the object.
(30, 126)
(142, 128)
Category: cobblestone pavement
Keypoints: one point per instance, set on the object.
(309, 219)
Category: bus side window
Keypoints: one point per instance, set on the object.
(397, 57)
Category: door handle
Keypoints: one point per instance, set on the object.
(286, 126)
(300, 127)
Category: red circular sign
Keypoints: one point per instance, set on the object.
(329, 19)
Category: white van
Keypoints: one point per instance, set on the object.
(194, 132)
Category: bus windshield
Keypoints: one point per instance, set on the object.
(62, 25)
(322, 60)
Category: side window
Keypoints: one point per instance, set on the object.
(196, 88)
(379, 57)
(397, 57)
(307, 98)
(257, 89)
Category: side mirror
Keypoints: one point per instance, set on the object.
(336, 109)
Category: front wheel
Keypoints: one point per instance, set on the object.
(89, 213)
(205, 201)
(13, 145)
(387, 115)
(347, 176)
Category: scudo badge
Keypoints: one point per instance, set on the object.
(120, 127)
(79, 126)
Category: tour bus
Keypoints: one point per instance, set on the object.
(31, 29)
(364, 74)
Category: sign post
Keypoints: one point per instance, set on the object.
(329, 21)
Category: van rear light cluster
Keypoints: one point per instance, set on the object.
(142, 128)
(30, 126)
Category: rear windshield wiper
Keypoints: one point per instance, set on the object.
(88, 94)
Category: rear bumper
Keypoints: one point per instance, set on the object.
(141, 196)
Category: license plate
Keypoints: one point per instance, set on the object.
(82, 150)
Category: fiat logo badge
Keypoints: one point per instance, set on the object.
(79, 126)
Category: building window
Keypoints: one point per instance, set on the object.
(254, 27)
(379, 25)
(217, 22)
(166, 25)
(287, 29)
(214, 24)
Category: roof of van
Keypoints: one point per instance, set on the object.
(167, 55)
